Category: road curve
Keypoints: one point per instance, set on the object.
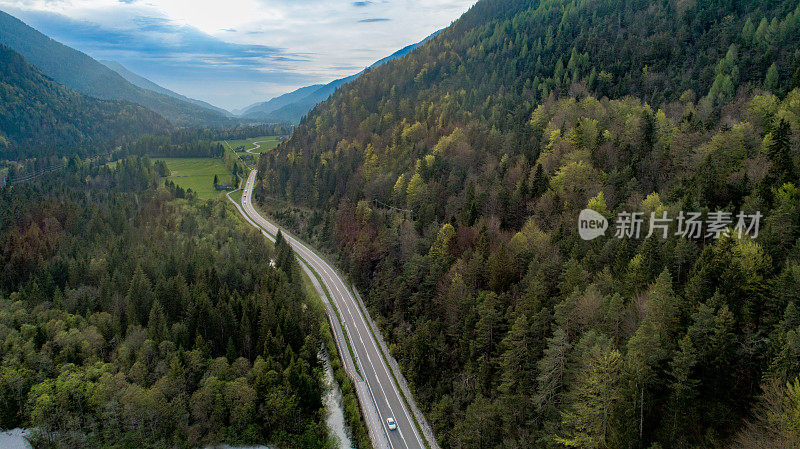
(379, 393)
(249, 150)
(257, 146)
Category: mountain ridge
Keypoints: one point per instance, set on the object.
(293, 106)
(80, 72)
(265, 107)
(144, 83)
(36, 113)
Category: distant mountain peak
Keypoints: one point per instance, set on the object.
(295, 105)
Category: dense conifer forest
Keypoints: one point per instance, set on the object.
(130, 318)
(448, 185)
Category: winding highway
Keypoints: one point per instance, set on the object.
(380, 393)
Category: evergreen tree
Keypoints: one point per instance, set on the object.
(780, 154)
(552, 372)
(653, 344)
(516, 364)
(588, 422)
(139, 298)
(157, 323)
(771, 80)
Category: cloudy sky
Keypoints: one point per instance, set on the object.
(235, 52)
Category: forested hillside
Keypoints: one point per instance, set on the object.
(79, 72)
(131, 319)
(449, 184)
(40, 117)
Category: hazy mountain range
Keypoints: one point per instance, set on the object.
(145, 83)
(80, 72)
(110, 80)
(295, 105)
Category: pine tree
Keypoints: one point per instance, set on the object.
(540, 183)
(139, 298)
(703, 366)
(771, 80)
(588, 422)
(652, 344)
(157, 323)
(487, 329)
(748, 31)
(552, 370)
(794, 83)
(515, 363)
(284, 257)
(780, 155)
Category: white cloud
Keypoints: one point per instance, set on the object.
(334, 38)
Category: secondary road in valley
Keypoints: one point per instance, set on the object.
(379, 393)
(257, 146)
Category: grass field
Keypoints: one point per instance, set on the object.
(266, 143)
(197, 174)
(237, 196)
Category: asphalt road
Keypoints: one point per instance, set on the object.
(383, 394)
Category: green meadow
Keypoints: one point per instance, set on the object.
(197, 174)
(265, 143)
(237, 196)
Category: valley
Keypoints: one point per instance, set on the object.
(255, 145)
(549, 224)
(377, 383)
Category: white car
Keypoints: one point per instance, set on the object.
(391, 424)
